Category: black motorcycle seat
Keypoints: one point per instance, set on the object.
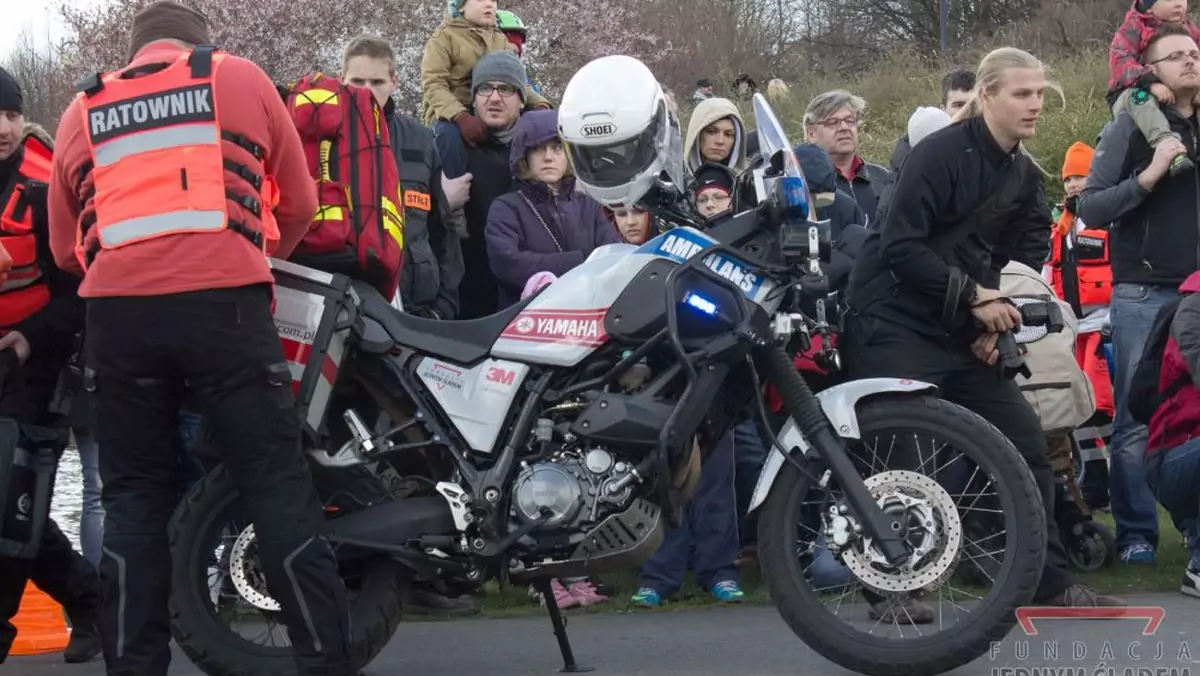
(463, 342)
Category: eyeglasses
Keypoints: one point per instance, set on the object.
(487, 89)
(1174, 57)
(713, 198)
(835, 122)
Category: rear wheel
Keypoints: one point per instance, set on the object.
(217, 582)
(973, 517)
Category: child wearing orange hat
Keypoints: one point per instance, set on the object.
(1080, 273)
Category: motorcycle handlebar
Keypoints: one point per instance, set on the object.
(1011, 361)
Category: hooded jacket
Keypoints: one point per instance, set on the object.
(822, 178)
(532, 230)
(1125, 52)
(706, 113)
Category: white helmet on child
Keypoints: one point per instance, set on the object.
(620, 134)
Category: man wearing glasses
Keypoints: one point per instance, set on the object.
(831, 122)
(1153, 246)
(498, 88)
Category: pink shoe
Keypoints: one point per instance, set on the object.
(562, 597)
(586, 593)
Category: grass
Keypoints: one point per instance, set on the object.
(1119, 579)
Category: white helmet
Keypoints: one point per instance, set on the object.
(619, 132)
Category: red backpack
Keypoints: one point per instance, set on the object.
(358, 230)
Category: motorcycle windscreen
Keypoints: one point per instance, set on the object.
(773, 139)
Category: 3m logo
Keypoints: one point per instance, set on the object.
(502, 376)
(599, 130)
(417, 200)
(1152, 615)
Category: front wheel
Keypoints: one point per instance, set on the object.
(222, 615)
(972, 518)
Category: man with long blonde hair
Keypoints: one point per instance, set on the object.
(924, 293)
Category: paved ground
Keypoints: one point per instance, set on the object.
(743, 641)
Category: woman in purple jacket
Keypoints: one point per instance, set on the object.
(544, 225)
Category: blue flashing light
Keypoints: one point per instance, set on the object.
(795, 197)
(701, 303)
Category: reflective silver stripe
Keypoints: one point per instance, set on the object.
(118, 149)
(1101, 432)
(300, 600)
(122, 598)
(11, 284)
(21, 458)
(124, 232)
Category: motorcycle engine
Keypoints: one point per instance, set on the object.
(572, 489)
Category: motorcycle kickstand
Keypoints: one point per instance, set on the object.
(560, 630)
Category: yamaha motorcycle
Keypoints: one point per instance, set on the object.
(562, 437)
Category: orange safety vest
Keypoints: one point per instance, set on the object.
(1080, 273)
(24, 291)
(157, 159)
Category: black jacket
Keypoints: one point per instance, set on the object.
(53, 332)
(1155, 235)
(433, 262)
(478, 294)
(822, 178)
(903, 147)
(945, 180)
(867, 186)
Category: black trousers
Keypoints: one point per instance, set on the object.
(58, 570)
(877, 348)
(222, 346)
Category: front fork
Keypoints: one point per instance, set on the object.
(805, 409)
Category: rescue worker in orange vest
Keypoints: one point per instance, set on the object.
(1080, 273)
(166, 197)
(40, 314)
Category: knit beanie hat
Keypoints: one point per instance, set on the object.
(11, 98)
(454, 8)
(1078, 161)
(165, 20)
(713, 176)
(504, 66)
(1145, 5)
(924, 121)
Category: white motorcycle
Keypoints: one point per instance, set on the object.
(561, 436)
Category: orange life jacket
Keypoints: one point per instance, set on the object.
(1079, 266)
(24, 291)
(158, 162)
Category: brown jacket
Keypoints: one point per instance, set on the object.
(188, 262)
(450, 55)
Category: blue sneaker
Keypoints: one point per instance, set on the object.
(728, 592)
(1140, 554)
(647, 598)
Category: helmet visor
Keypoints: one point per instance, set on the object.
(618, 163)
